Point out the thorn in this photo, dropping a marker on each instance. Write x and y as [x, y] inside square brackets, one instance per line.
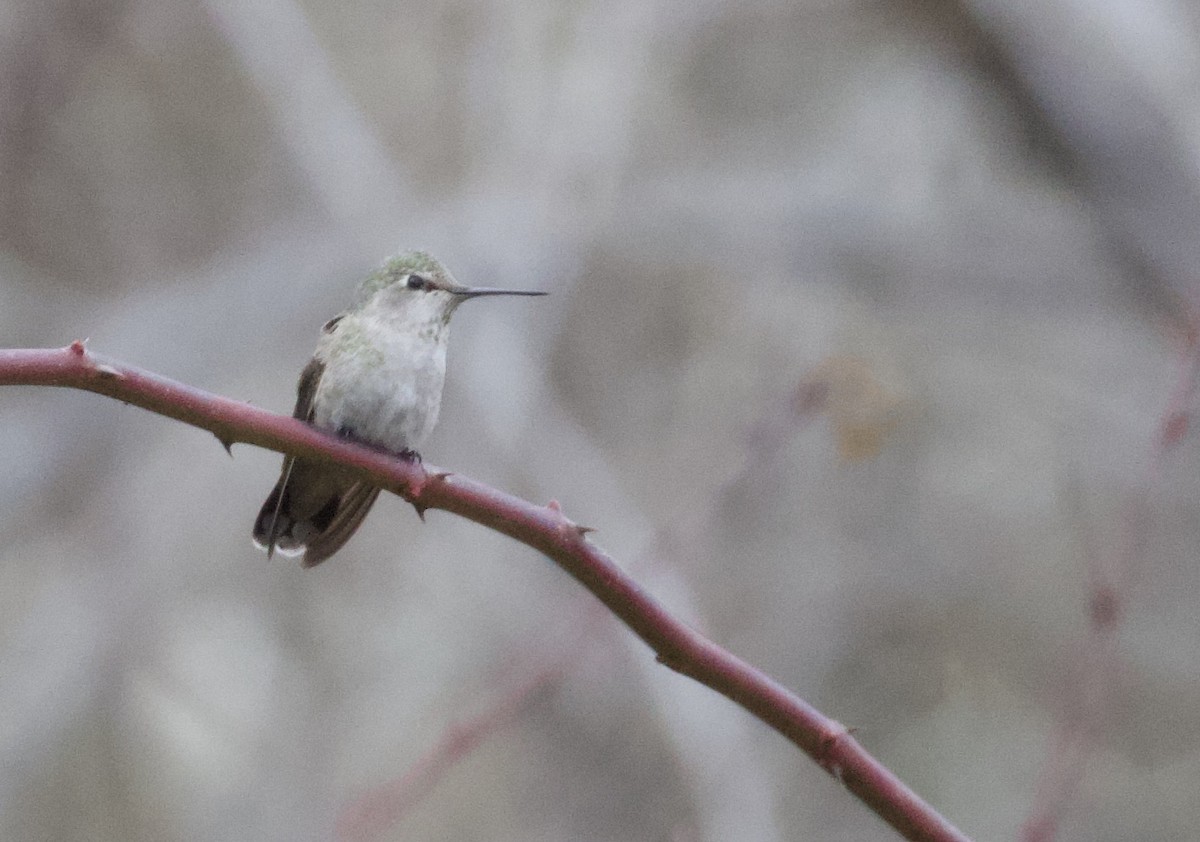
[228, 445]
[107, 371]
[568, 528]
[670, 660]
[78, 347]
[441, 476]
[412, 495]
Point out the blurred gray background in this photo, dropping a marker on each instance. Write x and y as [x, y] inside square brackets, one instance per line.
[970, 225]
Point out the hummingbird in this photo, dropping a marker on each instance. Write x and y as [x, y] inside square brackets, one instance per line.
[376, 378]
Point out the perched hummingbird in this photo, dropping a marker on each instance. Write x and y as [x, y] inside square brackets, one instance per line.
[376, 377]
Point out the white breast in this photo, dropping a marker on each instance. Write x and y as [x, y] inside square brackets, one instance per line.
[381, 383]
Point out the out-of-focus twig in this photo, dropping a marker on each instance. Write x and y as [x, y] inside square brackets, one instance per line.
[379, 809]
[1110, 581]
[544, 528]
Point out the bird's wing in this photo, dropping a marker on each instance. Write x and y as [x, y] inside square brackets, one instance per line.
[306, 389]
[266, 532]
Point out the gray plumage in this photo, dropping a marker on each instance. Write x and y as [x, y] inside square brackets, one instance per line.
[376, 376]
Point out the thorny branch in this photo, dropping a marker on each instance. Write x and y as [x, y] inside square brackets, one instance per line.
[544, 528]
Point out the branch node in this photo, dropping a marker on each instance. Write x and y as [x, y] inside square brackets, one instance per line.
[566, 526]
[832, 735]
[78, 347]
[413, 493]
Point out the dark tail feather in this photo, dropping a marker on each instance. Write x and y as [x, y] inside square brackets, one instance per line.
[266, 526]
[351, 508]
[311, 511]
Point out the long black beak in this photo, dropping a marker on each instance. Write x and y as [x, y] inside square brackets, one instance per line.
[476, 292]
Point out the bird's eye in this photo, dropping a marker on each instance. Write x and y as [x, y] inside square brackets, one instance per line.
[416, 282]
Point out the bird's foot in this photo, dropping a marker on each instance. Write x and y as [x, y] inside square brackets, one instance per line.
[407, 454]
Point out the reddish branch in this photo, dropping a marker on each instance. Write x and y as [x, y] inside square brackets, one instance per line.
[544, 528]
